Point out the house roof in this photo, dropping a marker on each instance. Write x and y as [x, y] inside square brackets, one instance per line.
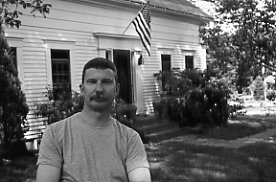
[175, 7]
[182, 7]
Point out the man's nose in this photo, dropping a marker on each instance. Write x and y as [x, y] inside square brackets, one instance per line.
[99, 87]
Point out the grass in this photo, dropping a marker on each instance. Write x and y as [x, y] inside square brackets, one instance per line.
[242, 126]
[176, 161]
[21, 169]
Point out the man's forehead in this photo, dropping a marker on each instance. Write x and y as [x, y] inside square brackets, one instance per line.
[99, 71]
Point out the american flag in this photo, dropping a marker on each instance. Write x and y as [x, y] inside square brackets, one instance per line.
[142, 26]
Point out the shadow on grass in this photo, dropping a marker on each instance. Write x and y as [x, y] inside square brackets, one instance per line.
[191, 163]
[21, 169]
[242, 126]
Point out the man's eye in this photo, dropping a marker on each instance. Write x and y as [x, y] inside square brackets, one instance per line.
[91, 81]
[107, 81]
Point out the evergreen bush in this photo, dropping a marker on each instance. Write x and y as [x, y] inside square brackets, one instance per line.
[13, 106]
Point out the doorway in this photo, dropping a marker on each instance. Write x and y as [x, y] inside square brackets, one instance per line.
[121, 59]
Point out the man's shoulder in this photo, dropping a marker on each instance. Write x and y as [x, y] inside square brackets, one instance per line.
[124, 129]
[60, 129]
[59, 125]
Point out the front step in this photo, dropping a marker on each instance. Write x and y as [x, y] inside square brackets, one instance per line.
[156, 129]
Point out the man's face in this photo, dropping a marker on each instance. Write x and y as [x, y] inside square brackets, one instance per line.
[99, 89]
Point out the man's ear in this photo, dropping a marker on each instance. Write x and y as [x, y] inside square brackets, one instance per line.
[81, 88]
[117, 89]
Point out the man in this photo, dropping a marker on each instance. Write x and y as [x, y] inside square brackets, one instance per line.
[91, 145]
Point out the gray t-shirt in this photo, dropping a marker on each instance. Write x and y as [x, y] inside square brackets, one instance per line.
[86, 152]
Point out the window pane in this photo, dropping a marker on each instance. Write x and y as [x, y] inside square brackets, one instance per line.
[166, 62]
[166, 68]
[12, 53]
[189, 62]
[60, 72]
[59, 54]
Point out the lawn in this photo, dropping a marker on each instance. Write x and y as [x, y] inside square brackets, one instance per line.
[22, 169]
[177, 161]
[241, 126]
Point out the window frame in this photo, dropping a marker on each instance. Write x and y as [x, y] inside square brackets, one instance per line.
[188, 53]
[192, 62]
[59, 62]
[59, 45]
[17, 43]
[169, 71]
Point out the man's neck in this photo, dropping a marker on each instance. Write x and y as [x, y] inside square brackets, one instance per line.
[96, 118]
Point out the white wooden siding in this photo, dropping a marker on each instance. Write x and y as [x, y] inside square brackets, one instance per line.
[76, 22]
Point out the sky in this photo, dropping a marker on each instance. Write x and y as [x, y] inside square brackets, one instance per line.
[207, 7]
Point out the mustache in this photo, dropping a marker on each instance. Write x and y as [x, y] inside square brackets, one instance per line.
[97, 96]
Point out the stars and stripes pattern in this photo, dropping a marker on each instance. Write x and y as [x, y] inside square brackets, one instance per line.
[142, 26]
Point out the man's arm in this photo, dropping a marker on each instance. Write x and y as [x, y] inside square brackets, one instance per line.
[46, 173]
[139, 175]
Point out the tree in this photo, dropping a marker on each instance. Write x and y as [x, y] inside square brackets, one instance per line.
[13, 106]
[242, 38]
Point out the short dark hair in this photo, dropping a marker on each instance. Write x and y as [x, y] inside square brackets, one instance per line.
[99, 63]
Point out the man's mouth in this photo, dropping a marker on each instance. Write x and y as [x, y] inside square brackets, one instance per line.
[97, 99]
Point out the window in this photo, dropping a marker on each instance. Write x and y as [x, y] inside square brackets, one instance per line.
[13, 54]
[166, 68]
[60, 72]
[189, 62]
[166, 62]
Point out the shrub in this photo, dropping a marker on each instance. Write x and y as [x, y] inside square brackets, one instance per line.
[205, 106]
[193, 98]
[258, 88]
[68, 103]
[13, 106]
[124, 112]
[161, 108]
[271, 95]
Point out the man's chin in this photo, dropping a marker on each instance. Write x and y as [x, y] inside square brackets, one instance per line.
[100, 107]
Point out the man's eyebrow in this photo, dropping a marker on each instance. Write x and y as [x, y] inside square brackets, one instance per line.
[108, 79]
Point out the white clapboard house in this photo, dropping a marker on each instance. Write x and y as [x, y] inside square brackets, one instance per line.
[56, 48]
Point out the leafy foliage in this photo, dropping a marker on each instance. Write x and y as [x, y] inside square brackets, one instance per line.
[68, 103]
[13, 106]
[242, 38]
[258, 88]
[12, 100]
[10, 13]
[271, 95]
[194, 98]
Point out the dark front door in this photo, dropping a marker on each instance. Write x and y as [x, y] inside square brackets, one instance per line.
[122, 61]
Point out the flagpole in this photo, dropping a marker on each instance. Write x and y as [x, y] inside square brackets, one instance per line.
[127, 27]
[135, 16]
